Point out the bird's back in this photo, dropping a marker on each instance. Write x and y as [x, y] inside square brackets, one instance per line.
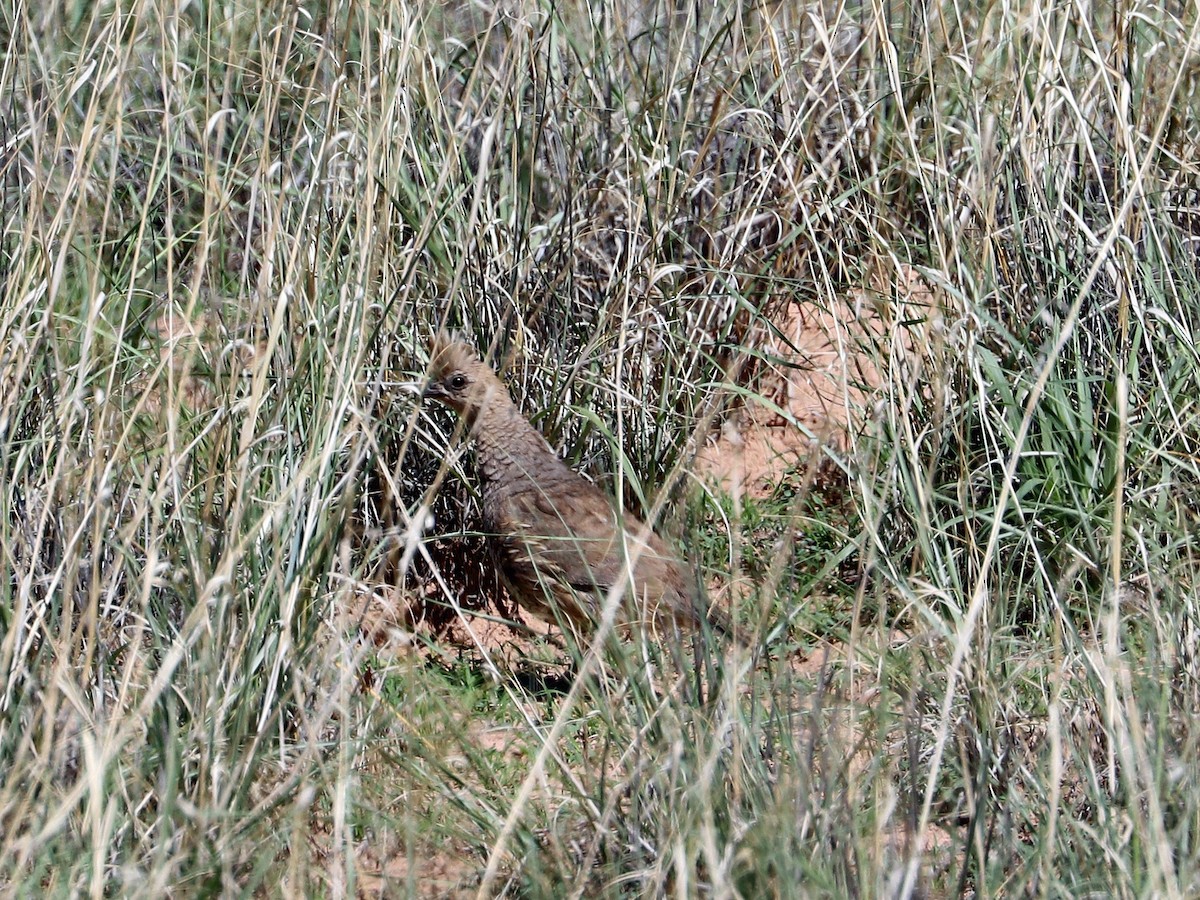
[556, 531]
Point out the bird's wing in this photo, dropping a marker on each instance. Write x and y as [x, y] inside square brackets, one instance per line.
[574, 531]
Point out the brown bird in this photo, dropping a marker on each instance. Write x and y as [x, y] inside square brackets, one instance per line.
[560, 547]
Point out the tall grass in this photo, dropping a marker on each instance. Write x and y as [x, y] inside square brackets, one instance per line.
[229, 230]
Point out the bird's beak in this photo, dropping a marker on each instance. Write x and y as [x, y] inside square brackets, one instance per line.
[434, 391]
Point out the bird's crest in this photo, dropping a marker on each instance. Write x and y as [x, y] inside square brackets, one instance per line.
[449, 352]
[459, 379]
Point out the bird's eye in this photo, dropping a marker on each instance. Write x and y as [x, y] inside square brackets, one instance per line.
[458, 382]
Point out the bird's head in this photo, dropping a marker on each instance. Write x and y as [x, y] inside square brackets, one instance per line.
[458, 378]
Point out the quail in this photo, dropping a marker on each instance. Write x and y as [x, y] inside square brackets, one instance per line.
[560, 547]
